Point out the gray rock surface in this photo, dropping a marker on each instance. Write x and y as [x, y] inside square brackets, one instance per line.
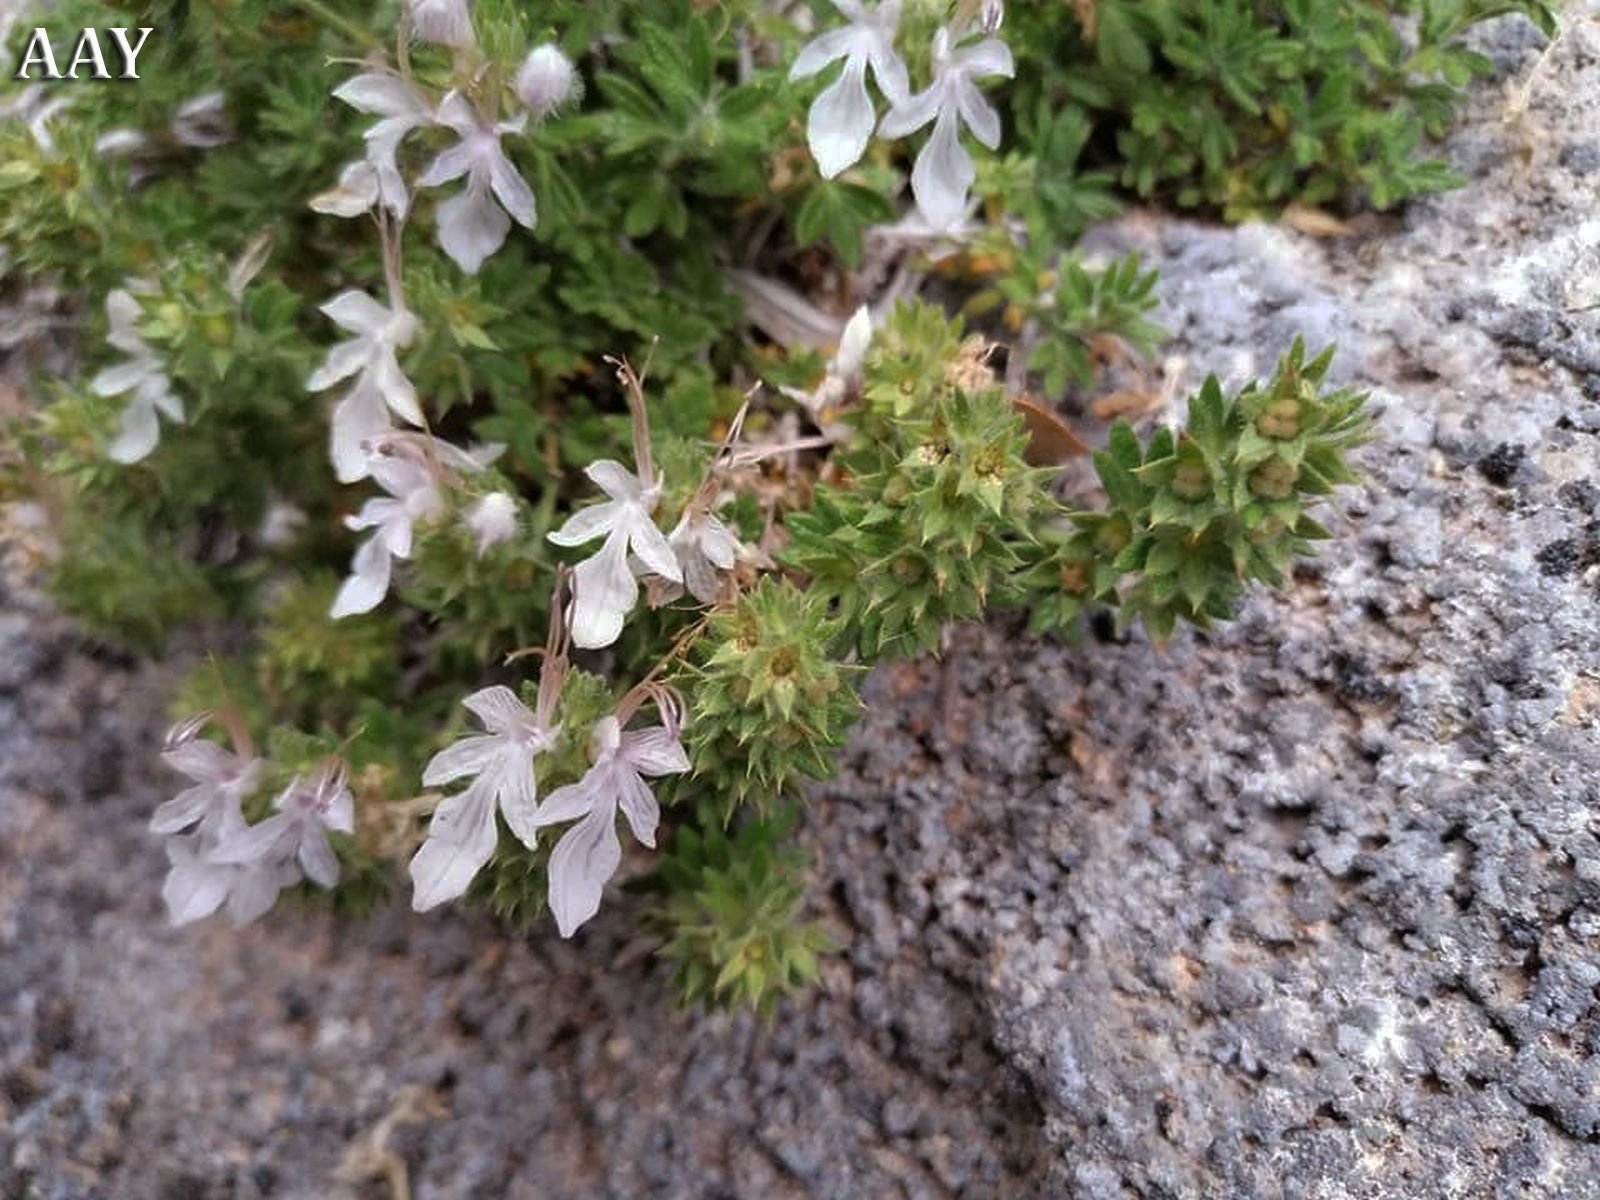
[1309, 907]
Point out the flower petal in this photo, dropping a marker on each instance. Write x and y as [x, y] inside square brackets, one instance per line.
[913, 114]
[183, 810]
[512, 190]
[587, 524]
[317, 859]
[718, 544]
[138, 434]
[451, 163]
[384, 95]
[979, 114]
[456, 112]
[822, 50]
[357, 418]
[201, 760]
[499, 709]
[614, 479]
[256, 843]
[368, 583]
[654, 751]
[574, 800]
[841, 120]
[603, 593]
[585, 858]
[193, 888]
[943, 175]
[472, 755]
[395, 388]
[989, 57]
[652, 548]
[358, 312]
[460, 841]
[889, 69]
[639, 805]
[255, 890]
[343, 361]
[472, 227]
[121, 377]
[518, 792]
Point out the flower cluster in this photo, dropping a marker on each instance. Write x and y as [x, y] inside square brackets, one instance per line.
[842, 116]
[471, 226]
[500, 765]
[218, 859]
[141, 377]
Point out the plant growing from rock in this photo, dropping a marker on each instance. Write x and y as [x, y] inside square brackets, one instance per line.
[544, 391]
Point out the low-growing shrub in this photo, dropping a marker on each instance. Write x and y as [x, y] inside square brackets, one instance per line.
[555, 397]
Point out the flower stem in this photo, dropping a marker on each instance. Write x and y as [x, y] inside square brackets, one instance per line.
[363, 37]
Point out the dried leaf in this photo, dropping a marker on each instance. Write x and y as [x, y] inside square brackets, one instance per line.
[1315, 222]
[1050, 439]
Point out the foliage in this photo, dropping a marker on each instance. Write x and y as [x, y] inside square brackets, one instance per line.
[1244, 106]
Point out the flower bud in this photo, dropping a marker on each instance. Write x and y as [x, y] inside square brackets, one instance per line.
[546, 81]
[442, 22]
[493, 520]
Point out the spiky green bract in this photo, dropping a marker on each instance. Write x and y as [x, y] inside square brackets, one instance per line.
[768, 698]
[929, 528]
[1069, 568]
[1204, 512]
[732, 914]
[514, 884]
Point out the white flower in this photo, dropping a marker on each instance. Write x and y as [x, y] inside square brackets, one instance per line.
[355, 193]
[604, 590]
[380, 384]
[140, 373]
[471, 225]
[589, 852]
[843, 375]
[442, 22]
[297, 832]
[493, 520]
[281, 524]
[841, 118]
[30, 106]
[546, 81]
[203, 121]
[706, 549]
[222, 780]
[413, 496]
[462, 835]
[853, 345]
[196, 886]
[402, 109]
[117, 142]
[944, 173]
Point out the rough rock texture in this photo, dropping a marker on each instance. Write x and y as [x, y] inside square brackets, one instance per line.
[1307, 908]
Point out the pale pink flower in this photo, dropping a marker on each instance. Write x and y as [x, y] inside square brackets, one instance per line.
[604, 587]
[943, 173]
[462, 835]
[473, 223]
[590, 852]
[842, 116]
[142, 374]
